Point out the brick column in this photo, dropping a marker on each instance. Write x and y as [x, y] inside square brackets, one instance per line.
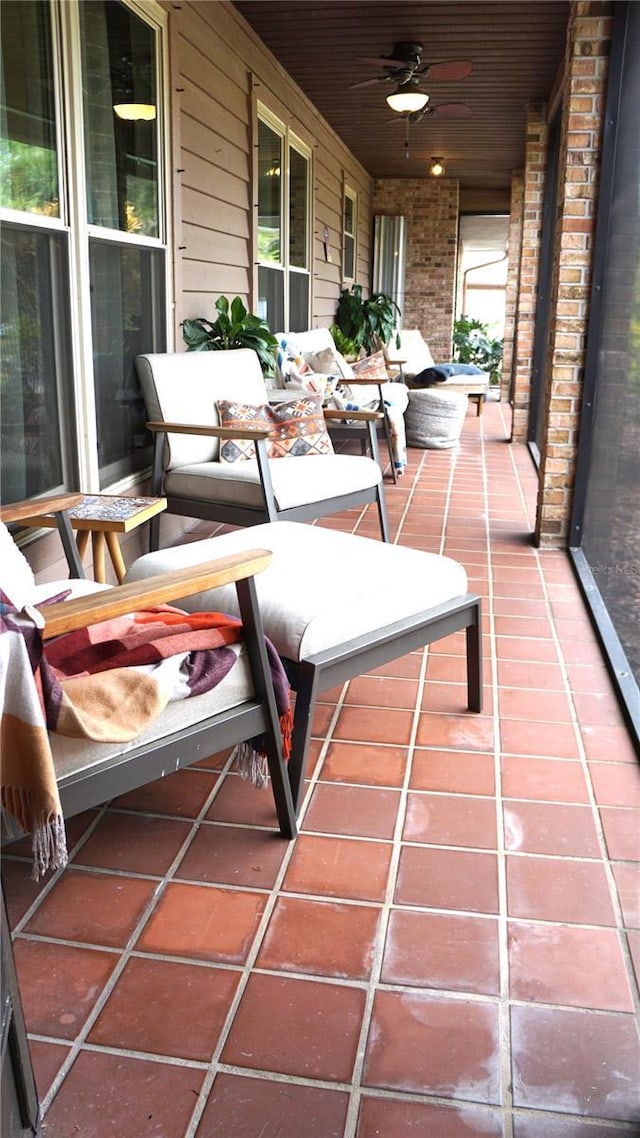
[431, 209]
[584, 95]
[513, 281]
[533, 191]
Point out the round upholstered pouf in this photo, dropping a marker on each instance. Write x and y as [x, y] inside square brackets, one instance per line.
[434, 418]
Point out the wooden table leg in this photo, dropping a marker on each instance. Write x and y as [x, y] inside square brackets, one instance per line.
[113, 545]
[98, 547]
[82, 541]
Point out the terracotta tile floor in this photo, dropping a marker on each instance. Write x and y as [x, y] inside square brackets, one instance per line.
[449, 947]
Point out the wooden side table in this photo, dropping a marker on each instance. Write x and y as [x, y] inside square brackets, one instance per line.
[103, 517]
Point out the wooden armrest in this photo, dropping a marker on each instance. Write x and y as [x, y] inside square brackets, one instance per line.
[65, 616]
[33, 507]
[357, 416]
[365, 381]
[210, 429]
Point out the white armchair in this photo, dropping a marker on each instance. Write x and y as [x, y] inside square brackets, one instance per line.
[183, 390]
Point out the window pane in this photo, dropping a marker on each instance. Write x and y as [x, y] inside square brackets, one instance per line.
[269, 195]
[127, 303]
[348, 214]
[349, 257]
[298, 209]
[271, 298]
[298, 302]
[119, 71]
[28, 162]
[34, 338]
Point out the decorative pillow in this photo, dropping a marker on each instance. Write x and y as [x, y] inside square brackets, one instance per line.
[239, 415]
[292, 370]
[440, 373]
[296, 428]
[371, 367]
[329, 361]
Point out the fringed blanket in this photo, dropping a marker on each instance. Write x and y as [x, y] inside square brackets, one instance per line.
[107, 683]
[29, 788]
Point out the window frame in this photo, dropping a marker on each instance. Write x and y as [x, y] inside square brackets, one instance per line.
[80, 461]
[289, 141]
[349, 194]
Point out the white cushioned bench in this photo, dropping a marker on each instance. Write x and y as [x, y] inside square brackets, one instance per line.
[336, 605]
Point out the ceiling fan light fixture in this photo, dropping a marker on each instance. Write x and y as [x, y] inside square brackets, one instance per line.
[436, 167]
[405, 102]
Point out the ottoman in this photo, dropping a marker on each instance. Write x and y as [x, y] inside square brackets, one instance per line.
[336, 605]
[434, 417]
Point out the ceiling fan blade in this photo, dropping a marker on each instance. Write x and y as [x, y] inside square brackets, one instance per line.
[367, 83]
[452, 70]
[451, 111]
[383, 61]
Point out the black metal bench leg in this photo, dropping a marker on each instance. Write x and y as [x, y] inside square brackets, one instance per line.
[307, 681]
[257, 652]
[474, 660]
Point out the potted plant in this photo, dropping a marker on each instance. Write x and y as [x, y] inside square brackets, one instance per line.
[472, 344]
[366, 323]
[234, 327]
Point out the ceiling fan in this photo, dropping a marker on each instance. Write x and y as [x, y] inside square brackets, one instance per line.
[405, 65]
[435, 110]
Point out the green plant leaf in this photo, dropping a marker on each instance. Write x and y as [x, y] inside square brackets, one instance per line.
[234, 327]
[238, 311]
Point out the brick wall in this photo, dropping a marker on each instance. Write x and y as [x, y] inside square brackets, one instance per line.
[516, 212]
[431, 209]
[580, 151]
[533, 198]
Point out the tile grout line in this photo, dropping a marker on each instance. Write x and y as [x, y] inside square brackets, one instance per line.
[506, 1064]
[126, 951]
[355, 1096]
[247, 969]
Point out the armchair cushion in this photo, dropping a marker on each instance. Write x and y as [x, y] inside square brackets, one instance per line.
[297, 428]
[413, 354]
[174, 381]
[294, 484]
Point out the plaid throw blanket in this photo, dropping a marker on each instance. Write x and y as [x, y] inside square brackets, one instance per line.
[107, 683]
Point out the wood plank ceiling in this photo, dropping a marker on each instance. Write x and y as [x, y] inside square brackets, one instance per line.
[515, 48]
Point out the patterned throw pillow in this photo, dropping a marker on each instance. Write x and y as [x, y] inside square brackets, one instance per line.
[296, 428]
[239, 415]
[371, 367]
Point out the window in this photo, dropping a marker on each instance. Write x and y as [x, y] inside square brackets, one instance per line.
[284, 180]
[605, 536]
[349, 227]
[83, 245]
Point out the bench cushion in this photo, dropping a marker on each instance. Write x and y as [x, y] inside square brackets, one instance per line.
[323, 587]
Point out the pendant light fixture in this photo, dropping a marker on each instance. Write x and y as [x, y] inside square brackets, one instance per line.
[436, 169]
